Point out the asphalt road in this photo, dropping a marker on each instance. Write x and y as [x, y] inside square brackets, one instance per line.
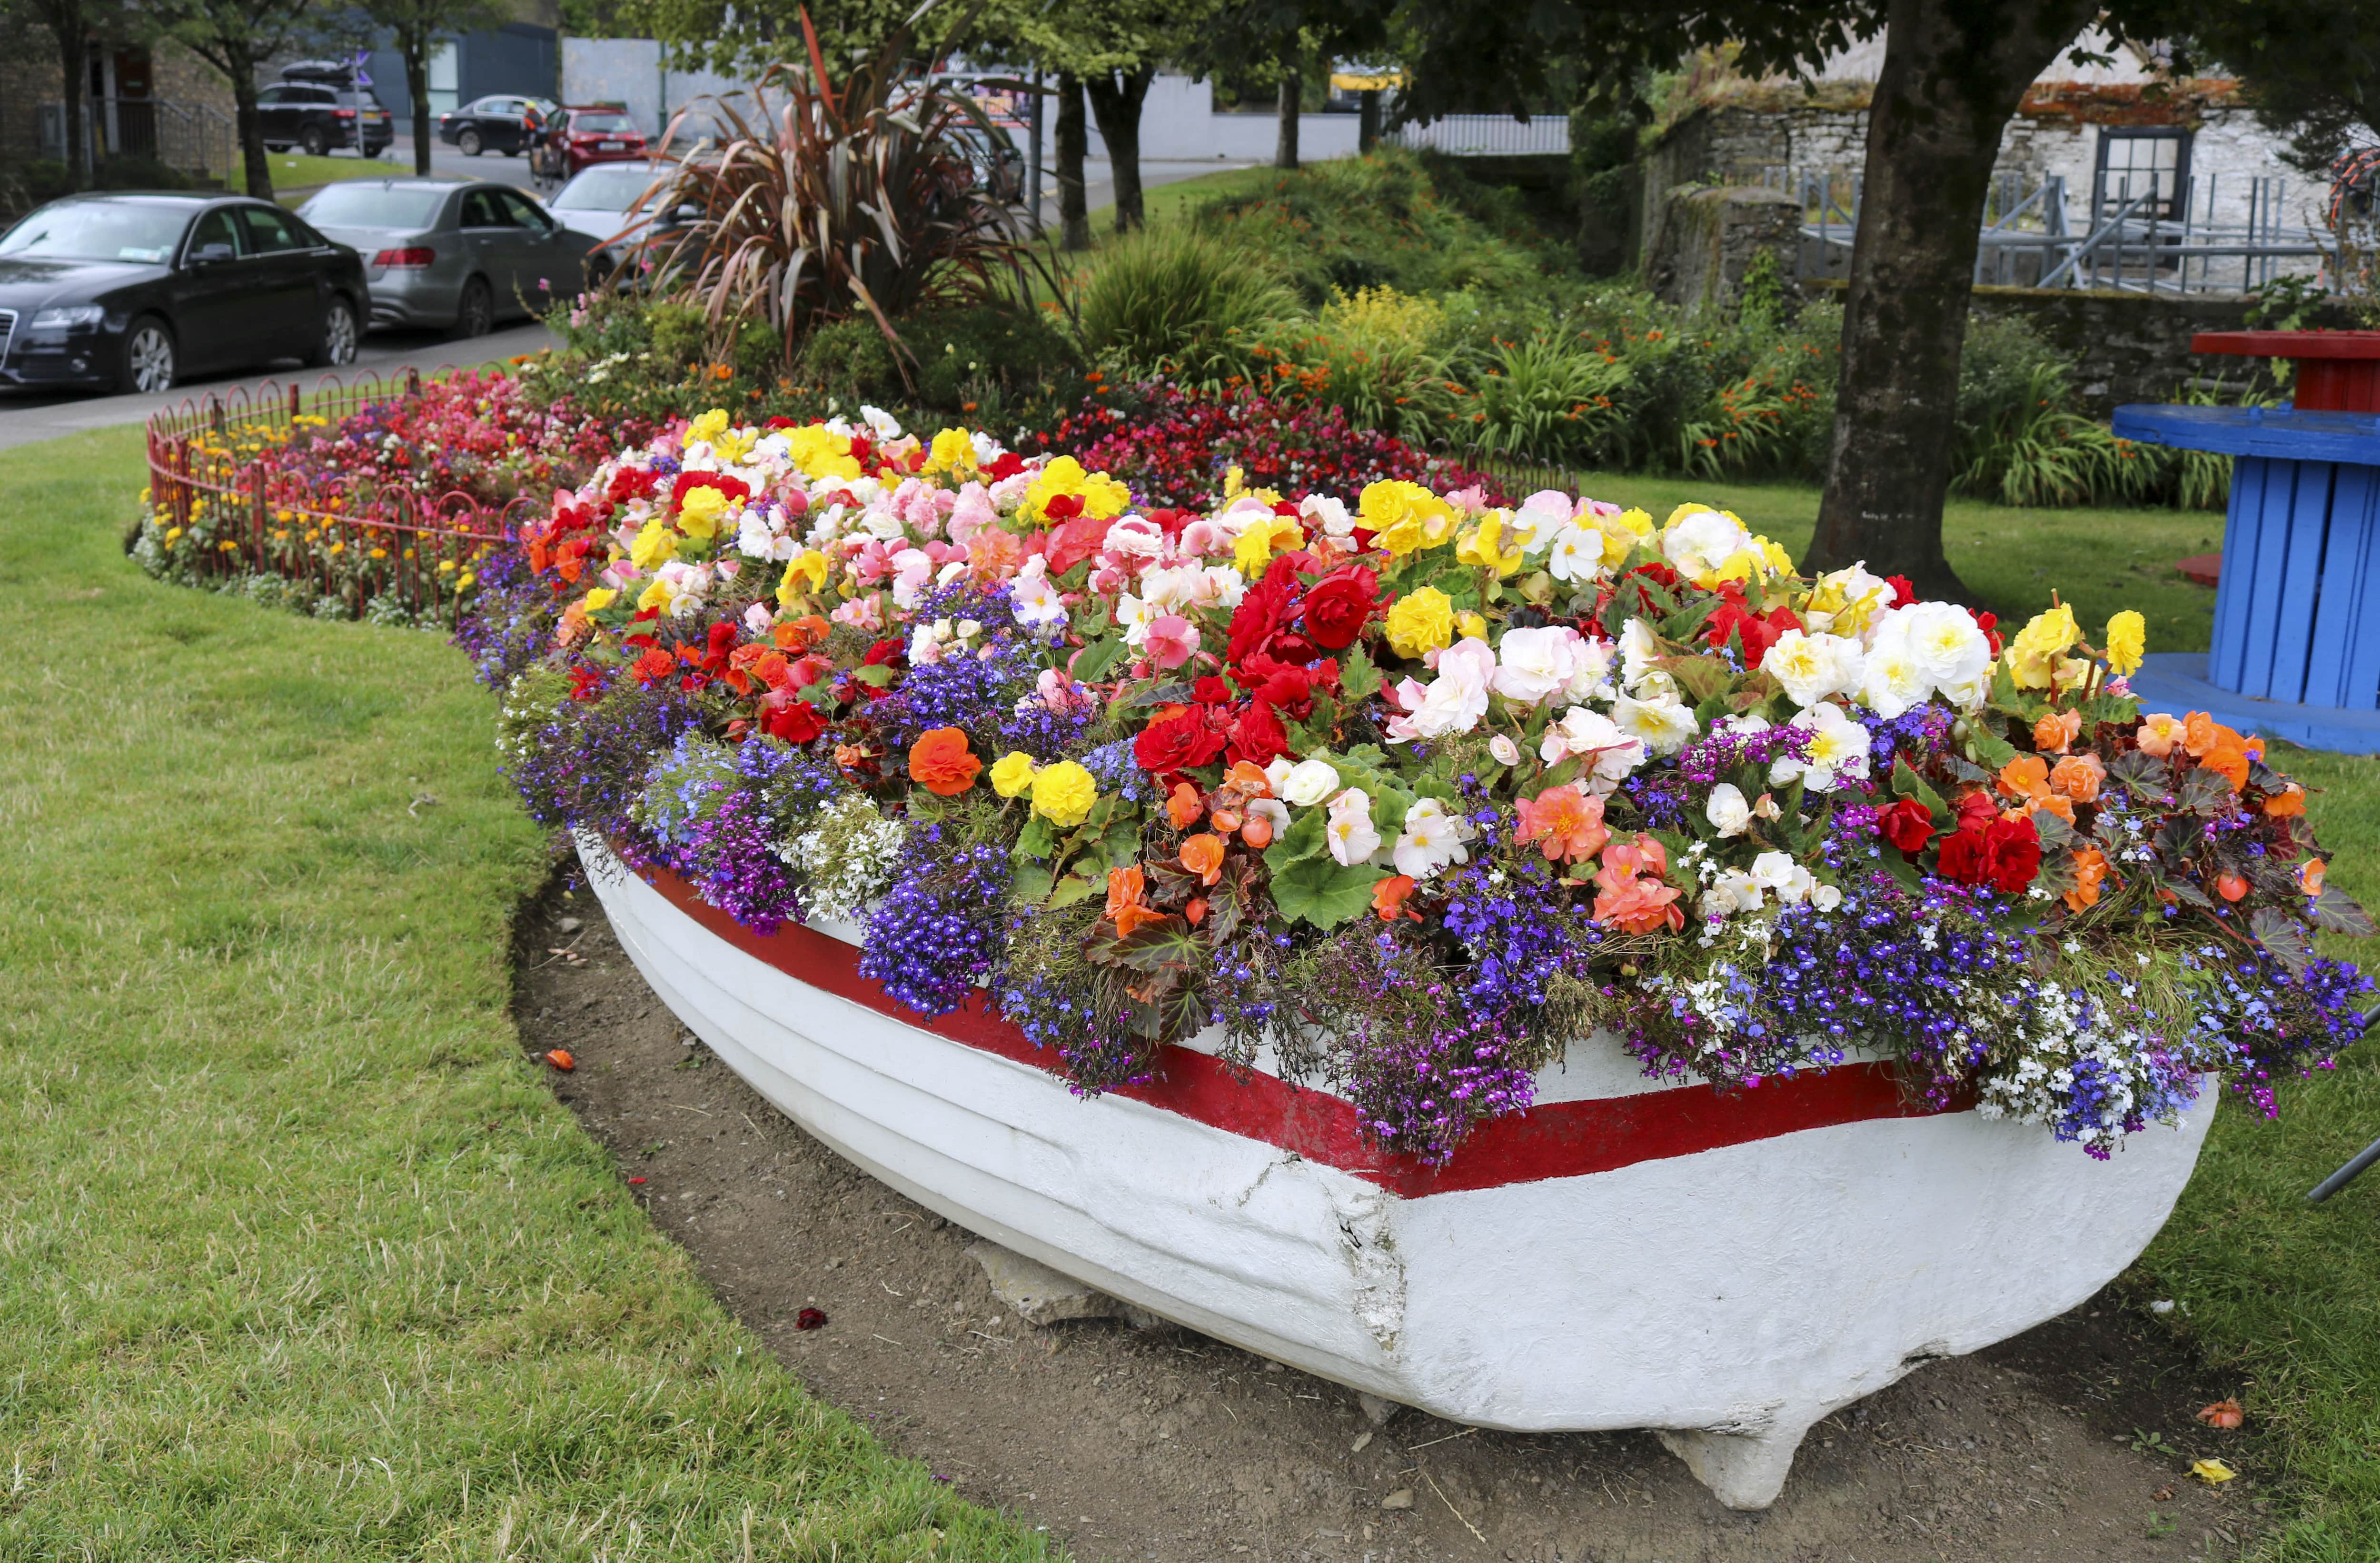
[28, 416]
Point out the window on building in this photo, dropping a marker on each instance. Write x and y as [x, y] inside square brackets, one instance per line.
[2142, 160]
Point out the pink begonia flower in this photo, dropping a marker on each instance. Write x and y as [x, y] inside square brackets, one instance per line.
[860, 612]
[994, 554]
[1206, 536]
[971, 512]
[1172, 640]
[1472, 498]
[1107, 581]
[871, 562]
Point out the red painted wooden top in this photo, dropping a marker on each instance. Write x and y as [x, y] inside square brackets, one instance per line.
[2337, 371]
[1551, 1140]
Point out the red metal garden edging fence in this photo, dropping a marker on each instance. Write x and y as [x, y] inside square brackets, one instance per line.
[357, 537]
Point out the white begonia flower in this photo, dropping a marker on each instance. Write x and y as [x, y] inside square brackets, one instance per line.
[1811, 667]
[1350, 832]
[1574, 554]
[1534, 664]
[1306, 783]
[1777, 874]
[1894, 681]
[1595, 739]
[1134, 616]
[1638, 650]
[1728, 810]
[1328, 513]
[1539, 520]
[1035, 596]
[1954, 653]
[1699, 544]
[1221, 586]
[1274, 811]
[986, 449]
[1136, 537]
[1839, 748]
[1663, 723]
[1504, 749]
[882, 424]
[1454, 700]
[1431, 840]
[1590, 675]
[1731, 892]
[1277, 771]
[1825, 897]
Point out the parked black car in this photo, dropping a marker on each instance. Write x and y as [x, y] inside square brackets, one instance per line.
[505, 123]
[316, 107]
[135, 292]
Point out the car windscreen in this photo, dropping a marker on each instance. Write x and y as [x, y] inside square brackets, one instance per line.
[373, 206]
[602, 125]
[100, 230]
[604, 189]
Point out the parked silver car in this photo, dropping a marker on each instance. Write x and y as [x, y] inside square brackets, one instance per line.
[462, 255]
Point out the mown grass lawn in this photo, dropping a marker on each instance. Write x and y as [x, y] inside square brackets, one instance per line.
[299, 1259]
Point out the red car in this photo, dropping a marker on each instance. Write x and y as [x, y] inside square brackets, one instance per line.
[588, 136]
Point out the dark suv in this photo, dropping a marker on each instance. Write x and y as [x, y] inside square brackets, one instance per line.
[318, 106]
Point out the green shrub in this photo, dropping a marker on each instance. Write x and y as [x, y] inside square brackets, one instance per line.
[1548, 400]
[1176, 300]
[1376, 353]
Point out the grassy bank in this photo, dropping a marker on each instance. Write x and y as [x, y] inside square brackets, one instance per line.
[297, 1258]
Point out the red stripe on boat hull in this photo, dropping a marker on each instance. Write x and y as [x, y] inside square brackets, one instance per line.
[1551, 1140]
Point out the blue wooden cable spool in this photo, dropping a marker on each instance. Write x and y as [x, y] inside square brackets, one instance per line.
[2297, 607]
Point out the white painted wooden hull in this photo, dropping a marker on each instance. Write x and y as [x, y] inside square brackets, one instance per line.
[1727, 1297]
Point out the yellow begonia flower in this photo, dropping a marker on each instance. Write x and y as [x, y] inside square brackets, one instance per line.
[1471, 625]
[735, 445]
[952, 450]
[1404, 516]
[600, 598]
[699, 513]
[655, 547]
[1063, 793]
[2034, 655]
[1420, 622]
[1103, 498]
[2128, 639]
[656, 595]
[806, 573]
[819, 452]
[1621, 533]
[1012, 773]
[709, 427]
[1490, 545]
[1263, 539]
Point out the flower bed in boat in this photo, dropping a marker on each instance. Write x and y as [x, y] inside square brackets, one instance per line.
[1408, 788]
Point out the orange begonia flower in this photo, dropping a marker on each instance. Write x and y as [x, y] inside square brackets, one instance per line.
[2158, 734]
[2287, 805]
[2055, 804]
[1388, 897]
[1257, 831]
[1247, 780]
[2231, 886]
[2229, 762]
[1570, 822]
[1203, 855]
[1126, 887]
[2078, 777]
[2202, 733]
[1184, 808]
[2090, 870]
[2027, 776]
[2310, 876]
[941, 763]
[2054, 734]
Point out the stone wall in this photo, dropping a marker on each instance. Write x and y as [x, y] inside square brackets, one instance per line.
[1705, 237]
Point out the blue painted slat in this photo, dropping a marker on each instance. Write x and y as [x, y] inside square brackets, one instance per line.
[2277, 515]
[2356, 508]
[2235, 588]
[2283, 433]
[2338, 609]
[2301, 583]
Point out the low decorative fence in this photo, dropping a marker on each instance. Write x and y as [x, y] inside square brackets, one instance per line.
[221, 506]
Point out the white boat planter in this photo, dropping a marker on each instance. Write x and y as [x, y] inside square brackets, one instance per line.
[1725, 1269]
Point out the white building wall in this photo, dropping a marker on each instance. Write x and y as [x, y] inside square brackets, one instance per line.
[636, 72]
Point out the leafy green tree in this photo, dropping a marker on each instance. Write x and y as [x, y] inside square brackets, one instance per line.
[2312, 68]
[76, 28]
[236, 37]
[416, 28]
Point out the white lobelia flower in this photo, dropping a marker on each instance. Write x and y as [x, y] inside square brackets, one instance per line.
[1574, 554]
[1350, 832]
[1838, 751]
[1306, 783]
[1699, 544]
[1729, 812]
[1596, 741]
[1944, 639]
[1431, 840]
[1504, 749]
[1035, 596]
[1811, 667]
[1662, 724]
[1534, 664]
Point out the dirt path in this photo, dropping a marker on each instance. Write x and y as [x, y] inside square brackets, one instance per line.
[1166, 1446]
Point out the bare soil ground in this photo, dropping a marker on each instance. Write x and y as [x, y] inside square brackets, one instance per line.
[1133, 1445]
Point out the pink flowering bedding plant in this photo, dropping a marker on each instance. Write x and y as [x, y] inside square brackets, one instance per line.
[1408, 788]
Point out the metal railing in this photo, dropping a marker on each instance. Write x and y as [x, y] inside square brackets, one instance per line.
[1488, 135]
[2144, 242]
[355, 539]
[189, 137]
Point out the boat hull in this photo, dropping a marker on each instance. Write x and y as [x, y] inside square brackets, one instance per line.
[1725, 1269]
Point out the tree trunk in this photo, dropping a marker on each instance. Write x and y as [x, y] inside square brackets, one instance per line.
[74, 70]
[250, 125]
[1953, 75]
[1072, 136]
[1116, 97]
[415, 43]
[1289, 104]
[1367, 121]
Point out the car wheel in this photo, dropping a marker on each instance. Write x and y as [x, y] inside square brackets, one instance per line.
[337, 348]
[314, 141]
[149, 358]
[477, 314]
[469, 144]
